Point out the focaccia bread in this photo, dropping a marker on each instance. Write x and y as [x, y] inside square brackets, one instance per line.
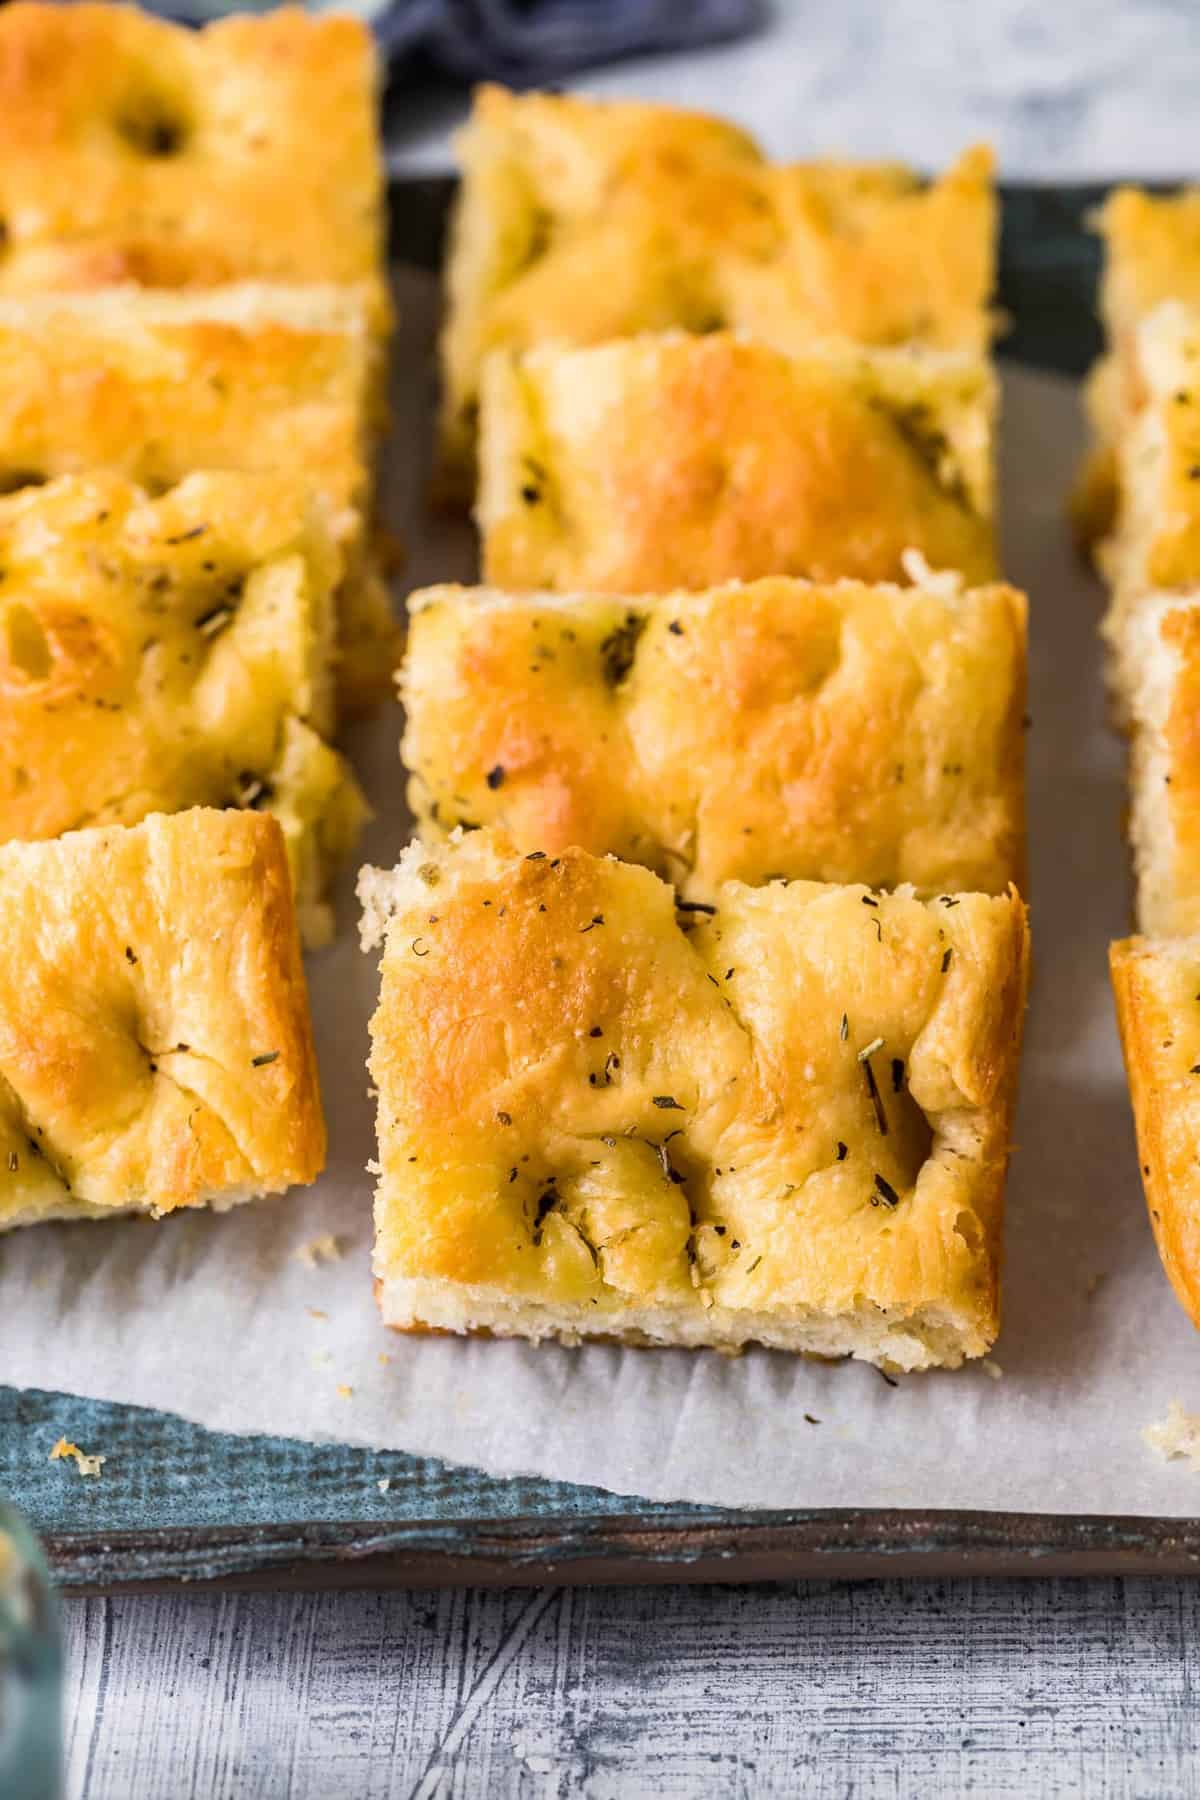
[1155, 982]
[162, 654]
[1162, 662]
[135, 150]
[839, 733]
[677, 461]
[1154, 545]
[785, 1121]
[155, 1046]
[254, 378]
[581, 220]
[1151, 256]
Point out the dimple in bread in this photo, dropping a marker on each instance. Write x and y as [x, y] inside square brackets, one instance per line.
[155, 1046]
[1155, 983]
[162, 654]
[250, 378]
[677, 461]
[836, 733]
[582, 220]
[785, 1121]
[136, 150]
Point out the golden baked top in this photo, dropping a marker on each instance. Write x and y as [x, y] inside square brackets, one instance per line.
[582, 220]
[252, 377]
[838, 733]
[159, 385]
[161, 654]
[155, 1048]
[136, 150]
[676, 461]
[1155, 982]
[797, 1104]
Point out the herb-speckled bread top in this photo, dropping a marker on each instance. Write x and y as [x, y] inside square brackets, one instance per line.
[783, 1120]
[155, 1046]
[835, 733]
[682, 461]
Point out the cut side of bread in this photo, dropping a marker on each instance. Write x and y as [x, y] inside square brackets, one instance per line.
[833, 732]
[1155, 984]
[1161, 665]
[155, 1044]
[781, 1119]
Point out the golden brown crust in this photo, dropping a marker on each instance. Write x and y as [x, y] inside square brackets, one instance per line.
[840, 733]
[585, 1104]
[680, 461]
[162, 654]
[583, 220]
[135, 150]
[1181, 633]
[1151, 254]
[155, 1046]
[158, 386]
[1155, 984]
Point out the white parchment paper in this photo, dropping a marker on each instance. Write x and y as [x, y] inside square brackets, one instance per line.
[217, 1319]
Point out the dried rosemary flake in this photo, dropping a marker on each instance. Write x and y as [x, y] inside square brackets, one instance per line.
[874, 1045]
[260, 1062]
[495, 776]
[667, 1102]
[874, 1097]
[886, 1193]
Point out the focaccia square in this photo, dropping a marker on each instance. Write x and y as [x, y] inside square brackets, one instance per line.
[783, 1121]
[1154, 545]
[1162, 661]
[136, 150]
[581, 220]
[155, 1046]
[1151, 256]
[253, 378]
[677, 461]
[835, 733]
[158, 654]
[1155, 982]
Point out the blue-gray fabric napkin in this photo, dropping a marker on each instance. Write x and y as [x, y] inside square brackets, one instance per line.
[521, 42]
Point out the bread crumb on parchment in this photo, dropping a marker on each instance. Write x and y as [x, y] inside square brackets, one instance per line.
[64, 1451]
[1177, 1437]
[318, 1250]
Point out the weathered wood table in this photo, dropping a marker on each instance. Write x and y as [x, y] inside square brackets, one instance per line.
[883, 1689]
